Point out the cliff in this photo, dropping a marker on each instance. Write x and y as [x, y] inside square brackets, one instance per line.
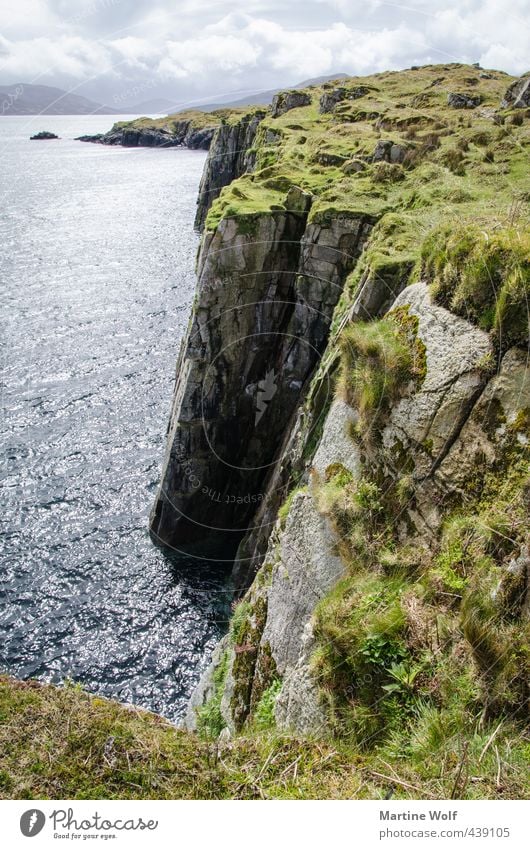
[351, 414]
[191, 129]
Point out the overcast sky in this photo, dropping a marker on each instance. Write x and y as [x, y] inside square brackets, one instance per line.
[124, 51]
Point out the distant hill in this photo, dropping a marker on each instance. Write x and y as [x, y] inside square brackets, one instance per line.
[156, 106]
[29, 99]
[266, 96]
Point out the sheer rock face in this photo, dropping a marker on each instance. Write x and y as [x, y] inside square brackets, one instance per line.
[267, 289]
[329, 250]
[230, 157]
[454, 420]
[218, 450]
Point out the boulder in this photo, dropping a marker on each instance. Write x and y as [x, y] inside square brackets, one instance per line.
[388, 151]
[323, 157]
[284, 101]
[518, 94]
[463, 100]
[353, 166]
[329, 99]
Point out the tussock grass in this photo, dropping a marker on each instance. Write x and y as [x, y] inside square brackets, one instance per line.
[483, 276]
[60, 742]
[378, 360]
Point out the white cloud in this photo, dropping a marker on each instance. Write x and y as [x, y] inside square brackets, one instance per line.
[258, 43]
[71, 56]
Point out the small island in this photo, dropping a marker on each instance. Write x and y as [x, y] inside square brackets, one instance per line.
[44, 134]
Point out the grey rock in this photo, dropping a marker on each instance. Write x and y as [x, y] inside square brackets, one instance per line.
[306, 570]
[425, 423]
[517, 95]
[272, 136]
[297, 200]
[463, 100]
[490, 426]
[329, 99]
[284, 101]
[299, 705]
[388, 151]
[353, 166]
[323, 157]
[336, 445]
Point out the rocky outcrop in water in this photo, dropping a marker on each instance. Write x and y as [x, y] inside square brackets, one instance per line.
[182, 134]
[43, 135]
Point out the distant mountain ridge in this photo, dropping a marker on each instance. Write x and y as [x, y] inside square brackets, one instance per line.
[266, 96]
[30, 99]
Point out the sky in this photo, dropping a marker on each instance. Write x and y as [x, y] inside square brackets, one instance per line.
[121, 52]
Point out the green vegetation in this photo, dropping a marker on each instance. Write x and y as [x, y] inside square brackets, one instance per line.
[210, 721]
[378, 360]
[283, 512]
[264, 713]
[483, 276]
[199, 120]
[423, 650]
[61, 743]
[456, 166]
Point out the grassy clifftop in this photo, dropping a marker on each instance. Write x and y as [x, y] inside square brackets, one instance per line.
[447, 162]
[199, 120]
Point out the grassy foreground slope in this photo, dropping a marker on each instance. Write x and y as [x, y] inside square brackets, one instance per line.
[60, 742]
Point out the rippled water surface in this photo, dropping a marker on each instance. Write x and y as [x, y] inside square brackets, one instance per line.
[96, 267]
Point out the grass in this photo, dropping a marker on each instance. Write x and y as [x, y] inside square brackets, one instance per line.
[199, 120]
[460, 167]
[62, 743]
[483, 275]
[378, 360]
[418, 649]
